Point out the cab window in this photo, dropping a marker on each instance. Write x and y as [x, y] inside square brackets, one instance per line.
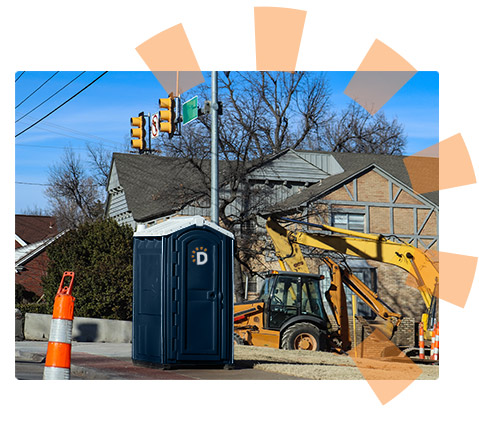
[264, 292]
[311, 299]
[284, 301]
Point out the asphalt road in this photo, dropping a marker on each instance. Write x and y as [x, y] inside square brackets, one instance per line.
[33, 370]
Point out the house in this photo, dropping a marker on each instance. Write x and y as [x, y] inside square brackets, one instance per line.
[145, 189]
[373, 194]
[363, 192]
[33, 234]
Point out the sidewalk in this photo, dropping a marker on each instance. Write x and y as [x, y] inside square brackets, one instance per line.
[112, 361]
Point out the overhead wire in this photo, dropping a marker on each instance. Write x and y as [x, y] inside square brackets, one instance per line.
[36, 90]
[104, 141]
[61, 105]
[31, 183]
[50, 97]
[50, 146]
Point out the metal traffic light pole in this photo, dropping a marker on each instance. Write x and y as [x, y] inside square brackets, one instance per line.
[214, 148]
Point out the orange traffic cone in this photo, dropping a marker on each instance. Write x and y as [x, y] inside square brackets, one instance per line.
[433, 343]
[57, 363]
[436, 346]
[421, 341]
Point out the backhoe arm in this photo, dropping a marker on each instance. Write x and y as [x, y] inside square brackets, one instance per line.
[352, 243]
[290, 255]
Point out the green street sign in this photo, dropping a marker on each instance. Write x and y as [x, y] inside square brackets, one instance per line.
[190, 110]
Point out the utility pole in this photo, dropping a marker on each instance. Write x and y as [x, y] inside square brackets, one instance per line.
[214, 148]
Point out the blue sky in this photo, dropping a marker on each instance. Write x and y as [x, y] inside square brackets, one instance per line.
[100, 115]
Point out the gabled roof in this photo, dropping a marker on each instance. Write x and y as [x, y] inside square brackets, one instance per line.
[353, 164]
[156, 186]
[28, 252]
[32, 228]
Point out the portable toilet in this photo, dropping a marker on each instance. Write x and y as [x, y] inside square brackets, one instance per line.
[183, 293]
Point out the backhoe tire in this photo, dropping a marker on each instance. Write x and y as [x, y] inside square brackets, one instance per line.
[304, 336]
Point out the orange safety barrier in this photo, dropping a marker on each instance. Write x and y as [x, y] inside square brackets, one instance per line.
[57, 363]
[433, 343]
[421, 341]
[436, 345]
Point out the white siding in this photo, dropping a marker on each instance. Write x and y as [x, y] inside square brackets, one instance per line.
[290, 167]
[324, 161]
[113, 182]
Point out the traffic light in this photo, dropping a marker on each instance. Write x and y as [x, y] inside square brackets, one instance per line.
[139, 133]
[167, 117]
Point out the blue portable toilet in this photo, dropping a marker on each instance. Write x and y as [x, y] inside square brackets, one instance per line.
[183, 293]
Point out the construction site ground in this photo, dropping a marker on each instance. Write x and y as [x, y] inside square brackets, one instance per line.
[324, 365]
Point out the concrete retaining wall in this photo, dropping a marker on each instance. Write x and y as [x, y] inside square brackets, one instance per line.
[18, 325]
[37, 327]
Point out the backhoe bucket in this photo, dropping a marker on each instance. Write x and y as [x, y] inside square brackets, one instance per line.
[386, 327]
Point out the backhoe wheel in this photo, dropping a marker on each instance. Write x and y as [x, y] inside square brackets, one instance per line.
[304, 336]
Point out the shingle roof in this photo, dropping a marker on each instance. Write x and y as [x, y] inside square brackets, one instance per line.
[33, 228]
[352, 163]
[156, 185]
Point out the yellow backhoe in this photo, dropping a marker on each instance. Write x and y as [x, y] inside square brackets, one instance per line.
[289, 312]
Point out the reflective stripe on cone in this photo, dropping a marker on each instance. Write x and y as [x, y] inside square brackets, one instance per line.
[61, 331]
[55, 373]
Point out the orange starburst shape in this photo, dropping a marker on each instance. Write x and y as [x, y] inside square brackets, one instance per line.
[384, 366]
[382, 73]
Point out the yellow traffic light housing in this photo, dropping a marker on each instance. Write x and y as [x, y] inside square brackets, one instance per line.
[138, 134]
[167, 117]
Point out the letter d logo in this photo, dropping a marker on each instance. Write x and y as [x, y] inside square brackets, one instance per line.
[201, 258]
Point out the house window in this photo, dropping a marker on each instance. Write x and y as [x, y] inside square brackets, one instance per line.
[349, 221]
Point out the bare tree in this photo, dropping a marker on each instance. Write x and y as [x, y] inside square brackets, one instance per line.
[263, 114]
[100, 161]
[72, 194]
[356, 130]
[34, 211]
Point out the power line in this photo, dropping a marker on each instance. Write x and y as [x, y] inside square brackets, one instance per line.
[61, 105]
[68, 129]
[51, 96]
[38, 88]
[49, 146]
[106, 142]
[58, 147]
[31, 183]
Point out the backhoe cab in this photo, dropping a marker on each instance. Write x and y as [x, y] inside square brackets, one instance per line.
[288, 313]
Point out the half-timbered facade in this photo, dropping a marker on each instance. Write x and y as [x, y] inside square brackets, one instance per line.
[374, 195]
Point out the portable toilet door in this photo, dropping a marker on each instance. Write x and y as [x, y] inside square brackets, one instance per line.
[201, 284]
